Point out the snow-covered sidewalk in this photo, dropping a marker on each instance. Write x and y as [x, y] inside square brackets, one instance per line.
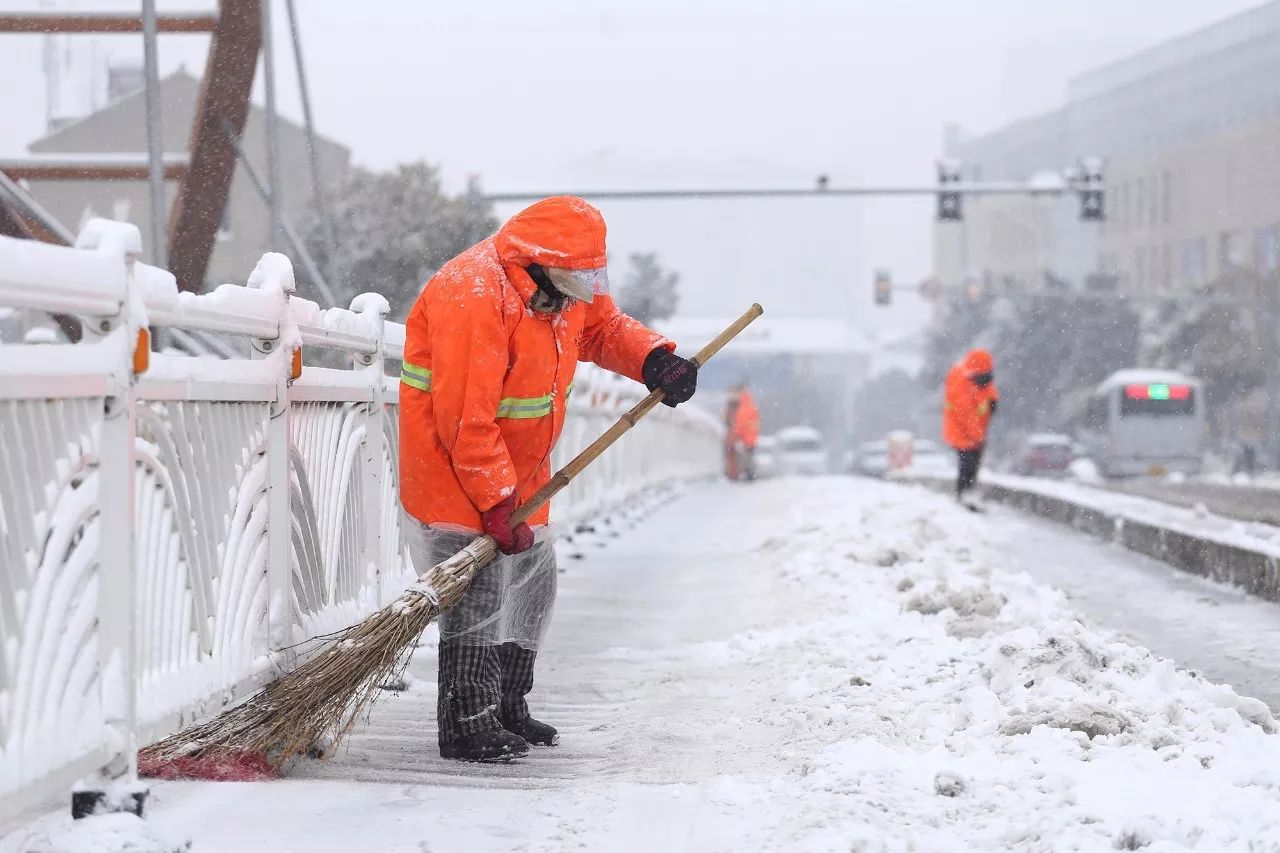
[825, 664]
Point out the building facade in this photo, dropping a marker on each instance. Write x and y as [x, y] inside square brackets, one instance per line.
[120, 128]
[1189, 130]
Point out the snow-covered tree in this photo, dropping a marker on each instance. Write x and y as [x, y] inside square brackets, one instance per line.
[394, 229]
[649, 293]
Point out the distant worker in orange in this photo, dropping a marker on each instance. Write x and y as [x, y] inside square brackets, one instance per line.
[742, 433]
[491, 346]
[970, 401]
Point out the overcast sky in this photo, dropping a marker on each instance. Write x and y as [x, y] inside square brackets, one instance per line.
[572, 94]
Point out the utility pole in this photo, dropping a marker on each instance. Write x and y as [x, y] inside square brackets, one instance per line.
[313, 156]
[1271, 347]
[273, 136]
[155, 135]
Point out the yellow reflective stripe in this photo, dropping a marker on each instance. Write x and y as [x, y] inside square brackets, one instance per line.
[525, 407]
[415, 383]
[415, 376]
[508, 407]
[568, 392]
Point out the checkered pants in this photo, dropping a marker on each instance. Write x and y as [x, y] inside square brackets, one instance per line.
[480, 686]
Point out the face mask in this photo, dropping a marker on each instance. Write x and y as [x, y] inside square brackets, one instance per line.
[547, 299]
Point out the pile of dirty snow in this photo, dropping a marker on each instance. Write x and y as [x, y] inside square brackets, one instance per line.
[951, 703]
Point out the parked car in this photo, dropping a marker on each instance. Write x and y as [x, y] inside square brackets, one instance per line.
[1044, 454]
[766, 457]
[928, 458]
[871, 459]
[801, 450]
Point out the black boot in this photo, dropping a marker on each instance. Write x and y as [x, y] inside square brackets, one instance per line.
[498, 745]
[533, 731]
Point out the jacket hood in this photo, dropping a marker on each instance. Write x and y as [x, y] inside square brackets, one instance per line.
[562, 231]
[979, 361]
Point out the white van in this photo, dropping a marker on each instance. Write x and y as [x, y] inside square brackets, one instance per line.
[800, 450]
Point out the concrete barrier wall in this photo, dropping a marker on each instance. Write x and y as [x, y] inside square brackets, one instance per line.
[1256, 572]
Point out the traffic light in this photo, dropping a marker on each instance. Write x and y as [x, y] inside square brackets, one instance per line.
[883, 287]
[949, 203]
[1093, 203]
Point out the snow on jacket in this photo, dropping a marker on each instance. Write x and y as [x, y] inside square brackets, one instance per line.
[966, 410]
[745, 425]
[485, 378]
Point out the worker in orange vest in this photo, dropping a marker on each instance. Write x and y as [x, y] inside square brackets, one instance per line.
[970, 401]
[742, 433]
[491, 346]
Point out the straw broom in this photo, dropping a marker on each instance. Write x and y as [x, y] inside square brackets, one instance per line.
[321, 700]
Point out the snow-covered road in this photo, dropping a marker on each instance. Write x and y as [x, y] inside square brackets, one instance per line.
[826, 664]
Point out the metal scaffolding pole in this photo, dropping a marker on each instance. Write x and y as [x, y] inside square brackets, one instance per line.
[274, 199]
[317, 183]
[296, 244]
[26, 205]
[155, 137]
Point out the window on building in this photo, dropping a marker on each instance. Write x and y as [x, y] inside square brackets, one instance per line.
[1194, 261]
[1122, 207]
[1139, 202]
[1231, 253]
[1166, 265]
[1140, 268]
[1166, 207]
[1266, 250]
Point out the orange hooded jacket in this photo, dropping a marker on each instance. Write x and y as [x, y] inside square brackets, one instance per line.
[966, 410]
[746, 420]
[485, 378]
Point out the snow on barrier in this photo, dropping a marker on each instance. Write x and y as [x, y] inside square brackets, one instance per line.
[1223, 550]
[170, 525]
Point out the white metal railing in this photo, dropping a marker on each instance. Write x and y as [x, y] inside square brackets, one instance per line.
[170, 525]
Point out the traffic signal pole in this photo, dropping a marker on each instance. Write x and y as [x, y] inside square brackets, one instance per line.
[975, 188]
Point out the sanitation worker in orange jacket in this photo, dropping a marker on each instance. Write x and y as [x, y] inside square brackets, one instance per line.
[742, 434]
[970, 401]
[490, 351]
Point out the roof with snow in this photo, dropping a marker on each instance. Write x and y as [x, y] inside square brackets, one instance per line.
[121, 126]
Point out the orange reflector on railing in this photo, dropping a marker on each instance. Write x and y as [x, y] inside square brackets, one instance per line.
[142, 351]
[296, 370]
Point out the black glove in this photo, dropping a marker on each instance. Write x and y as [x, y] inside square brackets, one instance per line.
[991, 406]
[676, 376]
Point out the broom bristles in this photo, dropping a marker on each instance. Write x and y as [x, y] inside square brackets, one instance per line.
[322, 699]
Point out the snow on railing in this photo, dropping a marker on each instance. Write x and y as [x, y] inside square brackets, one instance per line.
[170, 526]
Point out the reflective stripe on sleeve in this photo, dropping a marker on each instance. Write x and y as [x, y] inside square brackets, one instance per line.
[415, 377]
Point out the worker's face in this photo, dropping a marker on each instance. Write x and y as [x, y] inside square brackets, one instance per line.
[982, 380]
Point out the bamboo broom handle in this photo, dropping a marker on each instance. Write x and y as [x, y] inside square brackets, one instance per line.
[565, 475]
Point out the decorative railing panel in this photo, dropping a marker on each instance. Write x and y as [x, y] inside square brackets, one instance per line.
[172, 526]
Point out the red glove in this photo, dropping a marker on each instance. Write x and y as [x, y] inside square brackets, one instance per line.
[497, 523]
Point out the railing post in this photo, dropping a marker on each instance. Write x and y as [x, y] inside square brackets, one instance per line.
[375, 308]
[274, 272]
[115, 786]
